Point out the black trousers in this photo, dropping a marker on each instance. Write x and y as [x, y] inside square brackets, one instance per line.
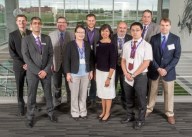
[140, 90]
[20, 80]
[120, 76]
[57, 83]
[33, 81]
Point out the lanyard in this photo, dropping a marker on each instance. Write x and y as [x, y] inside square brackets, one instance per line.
[134, 49]
[81, 51]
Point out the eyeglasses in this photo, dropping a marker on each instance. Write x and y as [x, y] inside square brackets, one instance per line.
[62, 22]
[36, 23]
[135, 30]
[80, 32]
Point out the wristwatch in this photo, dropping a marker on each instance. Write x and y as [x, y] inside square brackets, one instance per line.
[133, 76]
[109, 78]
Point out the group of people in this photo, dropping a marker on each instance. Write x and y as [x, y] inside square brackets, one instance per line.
[99, 57]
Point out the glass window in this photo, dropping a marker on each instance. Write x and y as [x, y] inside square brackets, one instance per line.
[3, 28]
[103, 10]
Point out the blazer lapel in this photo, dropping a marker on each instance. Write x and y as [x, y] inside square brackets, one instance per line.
[33, 42]
[167, 43]
[44, 45]
[159, 43]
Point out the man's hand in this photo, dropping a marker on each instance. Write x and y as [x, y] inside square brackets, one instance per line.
[42, 74]
[128, 77]
[162, 72]
[25, 66]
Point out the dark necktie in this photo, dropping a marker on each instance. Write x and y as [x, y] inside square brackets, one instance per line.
[143, 33]
[61, 39]
[38, 42]
[163, 43]
[133, 50]
[120, 43]
[23, 34]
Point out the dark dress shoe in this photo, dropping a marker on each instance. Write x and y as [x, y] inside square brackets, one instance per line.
[29, 123]
[84, 117]
[76, 118]
[127, 120]
[138, 125]
[53, 118]
[57, 107]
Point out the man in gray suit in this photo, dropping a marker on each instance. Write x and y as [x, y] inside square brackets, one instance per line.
[149, 28]
[37, 52]
[59, 38]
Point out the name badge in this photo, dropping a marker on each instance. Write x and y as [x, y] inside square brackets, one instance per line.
[91, 47]
[119, 51]
[130, 60]
[43, 43]
[171, 47]
[82, 61]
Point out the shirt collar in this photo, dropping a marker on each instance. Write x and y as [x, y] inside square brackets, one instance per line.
[139, 40]
[166, 35]
[88, 30]
[35, 36]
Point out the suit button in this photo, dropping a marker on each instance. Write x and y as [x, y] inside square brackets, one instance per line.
[161, 58]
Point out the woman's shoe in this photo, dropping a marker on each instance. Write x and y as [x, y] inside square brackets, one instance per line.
[105, 120]
[98, 117]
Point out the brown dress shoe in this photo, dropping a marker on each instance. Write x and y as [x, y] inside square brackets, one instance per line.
[147, 114]
[171, 120]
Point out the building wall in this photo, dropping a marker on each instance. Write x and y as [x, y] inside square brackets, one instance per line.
[179, 20]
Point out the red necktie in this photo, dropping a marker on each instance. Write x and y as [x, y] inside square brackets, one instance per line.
[133, 50]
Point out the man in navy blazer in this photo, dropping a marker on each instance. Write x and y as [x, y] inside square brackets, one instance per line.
[166, 54]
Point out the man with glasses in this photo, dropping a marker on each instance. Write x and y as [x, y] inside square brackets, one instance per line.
[136, 57]
[19, 66]
[59, 38]
[118, 40]
[92, 36]
[37, 52]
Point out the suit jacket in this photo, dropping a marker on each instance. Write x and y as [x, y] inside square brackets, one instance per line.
[57, 49]
[153, 29]
[15, 49]
[36, 61]
[115, 42]
[167, 59]
[95, 40]
[71, 61]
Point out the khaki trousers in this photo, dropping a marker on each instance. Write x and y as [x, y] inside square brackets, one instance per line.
[168, 88]
[78, 88]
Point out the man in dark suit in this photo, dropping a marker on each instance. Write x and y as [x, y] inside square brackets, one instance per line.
[59, 38]
[92, 36]
[37, 52]
[118, 40]
[19, 65]
[166, 52]
[149, 28]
